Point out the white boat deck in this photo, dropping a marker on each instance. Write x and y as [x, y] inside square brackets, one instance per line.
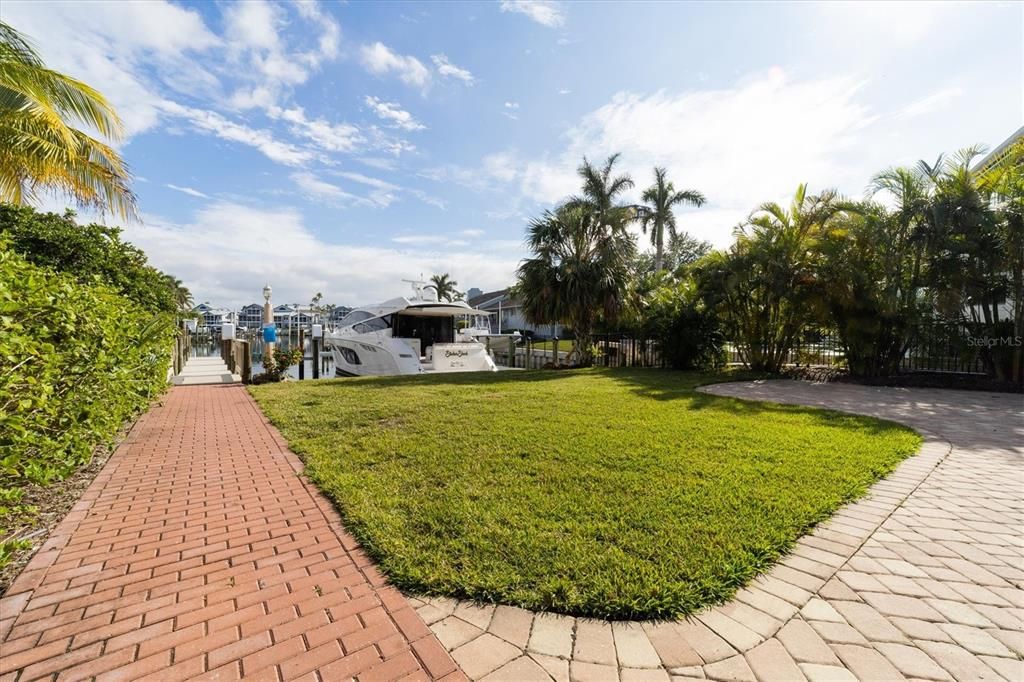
[204, 371]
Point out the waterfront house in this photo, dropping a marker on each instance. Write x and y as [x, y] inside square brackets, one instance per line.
[214, 318]
[251, 316]
[507, 315]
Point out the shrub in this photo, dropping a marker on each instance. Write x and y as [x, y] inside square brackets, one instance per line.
[76, 361]
[87, 252]
[686, 330]
[276, 366]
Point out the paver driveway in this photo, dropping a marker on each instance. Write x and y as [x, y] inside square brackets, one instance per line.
[920, 579]
[198, 553]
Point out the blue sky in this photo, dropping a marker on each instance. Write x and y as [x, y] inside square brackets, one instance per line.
[340, 147]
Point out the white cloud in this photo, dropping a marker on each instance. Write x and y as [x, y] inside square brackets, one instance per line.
[226, 251]
[930, 104]
[377, 162]
[314, 188]
[383, 194]
[511, 105]
[564, 91]
[472, 233]
[740, 146]
[367, 180]
[892, 23]
[380, 60]
[493, 174]
[256, 45]
[544, 12]
[105, 44]
[393, 113]
[212, 123]
[424, 239]
[332, 137]
[330, 39]
[253, 24]
[188, 190]
[501, 166]
[447, 69]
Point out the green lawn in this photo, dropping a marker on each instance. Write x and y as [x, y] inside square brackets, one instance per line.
[612, 493]
[564, 345]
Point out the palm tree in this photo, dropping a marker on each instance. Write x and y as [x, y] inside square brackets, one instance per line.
[579, 271]
[601, 193]
[765, 283]
[444, 288]
[40, 149]
[660, 198]
[1004, 182]
[182, 296]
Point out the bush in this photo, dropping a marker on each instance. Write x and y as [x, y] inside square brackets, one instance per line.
[276, 366]
[87, 252]
[76, 362]
[686, 330]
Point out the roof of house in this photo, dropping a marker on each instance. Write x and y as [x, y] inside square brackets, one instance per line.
[1000, 152]
[489, 298]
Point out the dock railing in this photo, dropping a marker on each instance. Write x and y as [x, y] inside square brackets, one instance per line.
[236, 355]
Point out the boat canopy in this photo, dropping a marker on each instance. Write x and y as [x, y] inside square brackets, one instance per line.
[440, 310]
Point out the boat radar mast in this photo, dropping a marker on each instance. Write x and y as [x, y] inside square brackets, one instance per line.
[418, 286]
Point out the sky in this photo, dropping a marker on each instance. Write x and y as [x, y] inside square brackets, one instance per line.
[343, 147]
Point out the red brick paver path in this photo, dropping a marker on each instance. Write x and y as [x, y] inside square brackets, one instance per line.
[199, 553]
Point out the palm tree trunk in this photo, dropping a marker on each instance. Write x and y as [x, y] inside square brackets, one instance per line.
[659, 246]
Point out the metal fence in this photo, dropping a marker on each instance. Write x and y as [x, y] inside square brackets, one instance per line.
[627, 350]
[935, 347]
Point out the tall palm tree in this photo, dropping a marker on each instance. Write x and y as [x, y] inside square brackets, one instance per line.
[766, 281]
[40, 149]
[182, 295]
[601, 193]
[444, 287]
[579, 271]
[660, 199]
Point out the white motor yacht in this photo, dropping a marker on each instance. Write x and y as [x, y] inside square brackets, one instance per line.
[411, 336]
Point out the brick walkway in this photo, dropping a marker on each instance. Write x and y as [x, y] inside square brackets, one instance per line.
[920, 579]
[198, 553]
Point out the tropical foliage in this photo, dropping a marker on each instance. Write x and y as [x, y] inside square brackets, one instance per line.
[658, 212]
[90, 252]
[602, 193]
[77, 359]
[40, 146]
[445, 288]
[764, 284]
[583, 264]
[930, 261]
[580, 271]
[687, 329]
[275, 366]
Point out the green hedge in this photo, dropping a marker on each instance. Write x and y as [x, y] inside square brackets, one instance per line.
[76, 362]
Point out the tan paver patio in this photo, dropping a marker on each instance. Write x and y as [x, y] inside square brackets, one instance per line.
[198, 553]
[920, 579]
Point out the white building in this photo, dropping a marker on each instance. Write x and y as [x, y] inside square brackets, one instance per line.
[214, 318]
[251, 316]
[507, 315]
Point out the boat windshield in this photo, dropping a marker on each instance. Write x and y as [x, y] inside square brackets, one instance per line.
[353, 317]
[375, 324]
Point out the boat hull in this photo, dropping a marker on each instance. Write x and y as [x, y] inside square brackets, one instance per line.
[385, 356]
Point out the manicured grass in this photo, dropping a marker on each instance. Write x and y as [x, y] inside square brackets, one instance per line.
[612, 493]
[564, 345]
